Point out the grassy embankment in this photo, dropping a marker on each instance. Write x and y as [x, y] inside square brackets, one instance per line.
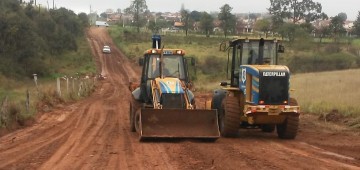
[69, 64]
[333, 92]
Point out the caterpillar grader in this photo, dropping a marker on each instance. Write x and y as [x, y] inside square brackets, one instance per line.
[163, 105]
[258, 94]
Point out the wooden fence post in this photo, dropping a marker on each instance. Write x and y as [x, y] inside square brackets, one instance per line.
[73, 85]
[58, 89]
[27, 100]
[80, 88]
[67, 85]
[3, 112]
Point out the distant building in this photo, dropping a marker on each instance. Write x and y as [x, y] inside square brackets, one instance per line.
[179, 24]
[114, 17]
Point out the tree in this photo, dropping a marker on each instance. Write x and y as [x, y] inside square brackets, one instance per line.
[356, 28]
[308, 27]
[228, 20]
[185, 18]
[29, 39]
[343, 16]
[103, 15]
[195, 16]
[206, 23]
[136, 8]
[253, 16]
[263, 25]
[337, 26]
[323, 31]
[153, 27]
[296, 10]
[288, 30]
[84, 20]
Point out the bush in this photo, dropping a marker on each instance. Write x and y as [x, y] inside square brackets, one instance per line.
[332, 48]
[212, 65]
[309, 62]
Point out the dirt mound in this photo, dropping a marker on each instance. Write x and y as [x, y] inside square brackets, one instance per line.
[333, 116]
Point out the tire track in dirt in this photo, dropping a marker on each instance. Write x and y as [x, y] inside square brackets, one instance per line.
[45, 135]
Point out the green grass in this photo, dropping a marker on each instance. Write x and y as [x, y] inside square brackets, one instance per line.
[71, 63]
[324, 92]
[356, 42]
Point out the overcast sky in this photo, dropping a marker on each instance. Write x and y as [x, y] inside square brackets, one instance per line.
[330, 7]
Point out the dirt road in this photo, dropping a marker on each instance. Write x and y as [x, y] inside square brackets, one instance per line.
[94, 134]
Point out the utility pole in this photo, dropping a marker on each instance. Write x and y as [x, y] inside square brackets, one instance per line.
[91, 16]
[248, 24]
[53, 4]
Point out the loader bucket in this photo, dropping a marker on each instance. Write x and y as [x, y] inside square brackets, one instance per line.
[178, 123]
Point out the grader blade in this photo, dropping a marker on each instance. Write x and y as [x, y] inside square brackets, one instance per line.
[179, 123]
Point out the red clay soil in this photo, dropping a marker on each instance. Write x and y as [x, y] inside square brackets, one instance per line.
[94, 134]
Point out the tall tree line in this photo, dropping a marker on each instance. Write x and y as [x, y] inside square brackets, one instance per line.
[289, 18]
[30, 37]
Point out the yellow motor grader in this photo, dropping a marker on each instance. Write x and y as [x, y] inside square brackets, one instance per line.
[258, 94]
[163, 105]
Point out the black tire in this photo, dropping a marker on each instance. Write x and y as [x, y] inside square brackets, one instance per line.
[267, 128]
[229, 117]
[137, 120]
[293, 102]
[289, 129]
[132, 118]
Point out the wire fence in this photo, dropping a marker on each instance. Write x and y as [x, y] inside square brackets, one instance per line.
[44, 97]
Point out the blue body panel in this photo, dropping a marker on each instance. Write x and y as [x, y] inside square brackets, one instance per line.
[258, 74]
[254, 72]
[171, 86]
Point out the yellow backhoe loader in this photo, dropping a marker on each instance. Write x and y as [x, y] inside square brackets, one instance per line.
[163, 105]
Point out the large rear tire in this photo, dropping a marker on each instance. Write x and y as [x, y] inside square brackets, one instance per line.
[289, 129]
[229, 116]
[137, 120]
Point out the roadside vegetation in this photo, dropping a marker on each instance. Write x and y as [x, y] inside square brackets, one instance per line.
[332, 95]
[48, 43]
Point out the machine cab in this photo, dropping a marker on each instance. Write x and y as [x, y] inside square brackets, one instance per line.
[246, 51]
[163, 64]
[255, 71]
[159, 63]
[257, 52]
[167, 65]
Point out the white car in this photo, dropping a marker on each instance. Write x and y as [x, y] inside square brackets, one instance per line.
[106, 49]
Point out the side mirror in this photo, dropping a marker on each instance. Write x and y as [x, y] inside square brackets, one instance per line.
[281, 49]
[141, 61]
